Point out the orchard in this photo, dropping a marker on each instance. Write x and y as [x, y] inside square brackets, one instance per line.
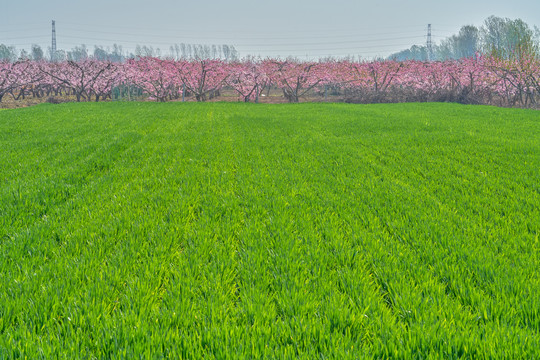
[512, 81]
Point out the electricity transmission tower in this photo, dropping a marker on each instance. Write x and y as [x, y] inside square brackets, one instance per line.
[429, 44]
[53, 45]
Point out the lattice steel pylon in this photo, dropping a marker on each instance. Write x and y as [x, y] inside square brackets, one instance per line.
[429, 44]
[53, 44]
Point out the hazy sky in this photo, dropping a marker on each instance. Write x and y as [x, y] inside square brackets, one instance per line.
[301, 28]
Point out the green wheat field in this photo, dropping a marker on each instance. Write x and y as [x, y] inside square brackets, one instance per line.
[232, 231]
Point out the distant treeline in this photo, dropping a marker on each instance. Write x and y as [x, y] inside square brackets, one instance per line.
[117, 54]
[497, 35]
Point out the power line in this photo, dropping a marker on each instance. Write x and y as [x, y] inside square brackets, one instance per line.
[26, 37]
[340, 48]
[235, 38]
[254, 44]
[258, 45]
[18, 31]
[183, 30]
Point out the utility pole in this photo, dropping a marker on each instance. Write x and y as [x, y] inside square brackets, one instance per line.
[429, 44]
[53, 45]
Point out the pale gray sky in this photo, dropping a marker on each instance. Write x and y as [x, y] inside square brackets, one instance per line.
[301, 28]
